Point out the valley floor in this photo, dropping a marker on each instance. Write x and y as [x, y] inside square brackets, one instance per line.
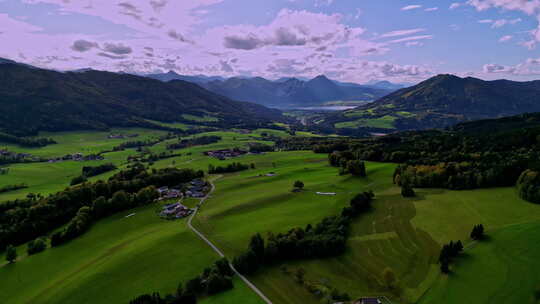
[119, 257]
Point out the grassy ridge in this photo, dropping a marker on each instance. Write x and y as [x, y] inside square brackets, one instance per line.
[503, 269]
[116, 260]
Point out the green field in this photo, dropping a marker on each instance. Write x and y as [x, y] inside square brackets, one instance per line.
[119, 258]
[116, 260]
[385, 122]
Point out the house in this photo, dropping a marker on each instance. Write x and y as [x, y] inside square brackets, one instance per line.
[163, 190]
[369, 301]
[326, 193]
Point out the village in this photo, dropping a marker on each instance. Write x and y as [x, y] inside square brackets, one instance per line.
[225, 153]
[197, 188]
[76, 157]
[121, 136]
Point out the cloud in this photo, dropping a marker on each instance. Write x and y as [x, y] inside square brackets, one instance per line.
[118, 49]
[431, 9]
[500, 22]
[455, 5]
[505, 38]
[531, 67]
[412, 38]
[402, 32]
[411, 7]
[111, 56]
[528, 7]
[83, 45]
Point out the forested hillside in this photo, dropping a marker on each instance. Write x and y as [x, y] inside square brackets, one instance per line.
[35, 100]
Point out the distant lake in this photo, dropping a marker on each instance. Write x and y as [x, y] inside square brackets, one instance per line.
[327, 108]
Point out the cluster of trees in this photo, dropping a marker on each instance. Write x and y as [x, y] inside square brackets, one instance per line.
[348, 163]
[326, 239]
[36, 246]
[26, 141]
[195, 141]
[232, 167]
[258, 148]
[477, 232]
[14, 158]
[26, 219]
[325, 292]
[528, 186]
[143, 143]
[4, 171]
[8, 188]
[448, 253]
[459, 175]
[89, 171]
[317, 144]
[213, 280]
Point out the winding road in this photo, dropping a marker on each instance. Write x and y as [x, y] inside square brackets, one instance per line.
[218, 251]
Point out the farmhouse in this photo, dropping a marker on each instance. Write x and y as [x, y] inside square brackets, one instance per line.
[225, 154]
[166, 193]
[326, 193]
[196, 188]
[368, 301]
[176, 210]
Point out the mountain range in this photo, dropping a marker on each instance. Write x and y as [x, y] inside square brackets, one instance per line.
[442, 101]
[284, 92]
[34, 99]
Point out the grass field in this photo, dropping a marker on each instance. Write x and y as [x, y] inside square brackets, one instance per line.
[503, 269]
[385, 122]
[116, 260]
[122, 257]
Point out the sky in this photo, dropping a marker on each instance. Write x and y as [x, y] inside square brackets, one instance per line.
[347, 40]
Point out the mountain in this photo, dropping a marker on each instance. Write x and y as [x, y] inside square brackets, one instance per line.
[34, 99]
[171, 75]
[442, 101]
[291, 92]
[387, 85]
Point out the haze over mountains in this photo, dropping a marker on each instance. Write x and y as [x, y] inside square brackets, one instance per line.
[35, 99]
[286, 92]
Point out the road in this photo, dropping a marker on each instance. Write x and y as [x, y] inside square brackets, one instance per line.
[218, 251]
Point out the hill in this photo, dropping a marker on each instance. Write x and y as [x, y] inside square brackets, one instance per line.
[284, 92]
[35, 100]
[442, 101]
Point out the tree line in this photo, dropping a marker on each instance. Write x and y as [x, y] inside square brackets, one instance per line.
[528, 186]
[213, 280]
[230, 168]
[89, 171]
[32, 142]
[23, 220]
[195, 141]
[326, 239]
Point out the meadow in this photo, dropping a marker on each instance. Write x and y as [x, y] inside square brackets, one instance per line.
[119, 258]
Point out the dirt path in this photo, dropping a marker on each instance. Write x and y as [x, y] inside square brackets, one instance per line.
[218, 251]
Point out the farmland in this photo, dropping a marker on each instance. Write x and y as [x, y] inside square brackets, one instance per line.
[121, 257]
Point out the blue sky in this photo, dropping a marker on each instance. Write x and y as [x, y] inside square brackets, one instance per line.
[349, 40]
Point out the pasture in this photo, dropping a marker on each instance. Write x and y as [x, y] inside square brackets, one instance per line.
[119, 258]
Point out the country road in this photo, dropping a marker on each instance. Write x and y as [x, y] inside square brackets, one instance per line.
[219, 252]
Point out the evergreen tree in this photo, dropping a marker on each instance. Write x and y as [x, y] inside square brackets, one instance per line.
[11, 254]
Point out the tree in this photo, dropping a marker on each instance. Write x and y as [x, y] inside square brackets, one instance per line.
[11, 254]
[298, 185]
[256, 244]
[356, 168]
[407, 190]
[299, 275]
[389, 278]
[477, 232]
[445, 266]
[35, 246]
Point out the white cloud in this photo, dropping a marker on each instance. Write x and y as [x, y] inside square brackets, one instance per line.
[505, 38]
[455, 5]
[431, 9]
[402, 32]
[412, 38]
[500, 22]
[411, 7]
[530, 67]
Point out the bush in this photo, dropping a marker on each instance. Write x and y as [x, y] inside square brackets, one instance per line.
[36, 246]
